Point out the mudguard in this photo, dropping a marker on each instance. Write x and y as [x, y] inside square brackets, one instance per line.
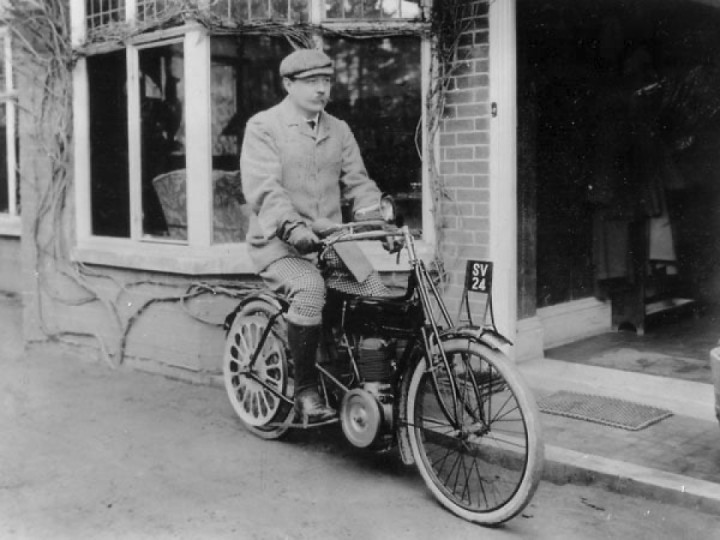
[487, 336]
[277, 302]
[403, 438]
[483, 334]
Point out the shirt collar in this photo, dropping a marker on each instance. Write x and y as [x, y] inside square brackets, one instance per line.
[295, 118]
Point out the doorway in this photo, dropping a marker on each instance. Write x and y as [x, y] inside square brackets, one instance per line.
[619, 155]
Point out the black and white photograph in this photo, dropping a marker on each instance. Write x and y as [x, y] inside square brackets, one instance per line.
[359, 269]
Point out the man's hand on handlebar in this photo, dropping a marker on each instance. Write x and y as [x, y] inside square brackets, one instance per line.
[370, 216]
[328, 232]
[324, 227]
[302, 238]
[392, 244]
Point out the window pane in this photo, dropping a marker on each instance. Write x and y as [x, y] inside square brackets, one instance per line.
[259, 9]
[110, 195]
[299, 11]
[164, 204]
[281, 10]
[147, 10]
[4, 184]
[378, 92]
[245, 80]
[103, 12]
[230, 9]
[372, 9]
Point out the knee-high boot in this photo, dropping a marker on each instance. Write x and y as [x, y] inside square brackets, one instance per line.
[303, 342]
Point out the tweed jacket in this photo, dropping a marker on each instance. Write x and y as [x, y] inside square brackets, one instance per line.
[290, 173]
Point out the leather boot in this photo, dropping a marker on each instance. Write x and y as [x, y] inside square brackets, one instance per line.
[303, 342]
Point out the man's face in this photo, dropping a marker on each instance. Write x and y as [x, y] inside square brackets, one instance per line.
[309, 94]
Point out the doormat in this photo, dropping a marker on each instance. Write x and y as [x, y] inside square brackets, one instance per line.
[602, 410]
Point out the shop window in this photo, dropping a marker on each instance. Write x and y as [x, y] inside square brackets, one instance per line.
[161, 212]
[9, 184]
[162, 142]
[377, 91]
[244, 80]
[162, 171]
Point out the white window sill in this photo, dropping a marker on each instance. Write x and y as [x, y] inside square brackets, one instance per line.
[213, 260]
[164, 257]
[10, 225]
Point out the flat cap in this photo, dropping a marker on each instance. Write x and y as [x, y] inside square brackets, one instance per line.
[306, 63]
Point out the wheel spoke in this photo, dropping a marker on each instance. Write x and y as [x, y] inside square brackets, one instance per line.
[476, 456]
[255, 391]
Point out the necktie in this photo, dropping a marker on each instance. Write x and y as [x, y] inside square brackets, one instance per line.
[312, 125]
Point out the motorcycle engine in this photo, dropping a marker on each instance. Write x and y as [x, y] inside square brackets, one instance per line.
[375, 359]
[367, 411]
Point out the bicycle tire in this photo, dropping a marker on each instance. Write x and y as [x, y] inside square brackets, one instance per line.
[486, 467]
[259, 410]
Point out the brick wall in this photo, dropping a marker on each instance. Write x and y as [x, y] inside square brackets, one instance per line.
[464, 157]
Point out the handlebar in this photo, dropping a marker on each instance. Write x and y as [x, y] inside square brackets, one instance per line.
[347, 232]
[331, 234]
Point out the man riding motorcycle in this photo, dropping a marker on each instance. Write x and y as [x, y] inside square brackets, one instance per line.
[297, 163]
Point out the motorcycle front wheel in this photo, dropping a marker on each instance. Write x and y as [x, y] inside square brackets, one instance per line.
[479, 448]
[255, 389]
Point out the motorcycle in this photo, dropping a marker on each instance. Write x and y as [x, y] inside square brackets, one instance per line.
[402, 376]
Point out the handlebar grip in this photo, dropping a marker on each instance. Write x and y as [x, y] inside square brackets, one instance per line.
[324, 228]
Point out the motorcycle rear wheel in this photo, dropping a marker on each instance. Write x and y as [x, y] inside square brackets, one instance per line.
[483, 459]
[260, 411]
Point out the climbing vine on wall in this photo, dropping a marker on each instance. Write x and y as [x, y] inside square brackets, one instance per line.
[451, 21]
[44, 55]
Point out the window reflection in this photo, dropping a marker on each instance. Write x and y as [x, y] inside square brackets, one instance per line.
[163, 141]
[244, 81]
[372, 9]
[254, 10]
[378, 92]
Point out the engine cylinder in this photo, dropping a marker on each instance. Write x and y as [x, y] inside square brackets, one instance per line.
[374, 358]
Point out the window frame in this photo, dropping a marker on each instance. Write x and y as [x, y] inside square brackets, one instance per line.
[198, 255]
[10, 222]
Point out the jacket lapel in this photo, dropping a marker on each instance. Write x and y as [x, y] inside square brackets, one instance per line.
[323, 128]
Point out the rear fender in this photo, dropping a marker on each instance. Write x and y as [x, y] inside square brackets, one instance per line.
[276, 302]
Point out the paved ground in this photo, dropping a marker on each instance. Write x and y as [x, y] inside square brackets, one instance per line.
[668, 367]
[680, 444]
[676, 459]
[94, 453]
[97, 453]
